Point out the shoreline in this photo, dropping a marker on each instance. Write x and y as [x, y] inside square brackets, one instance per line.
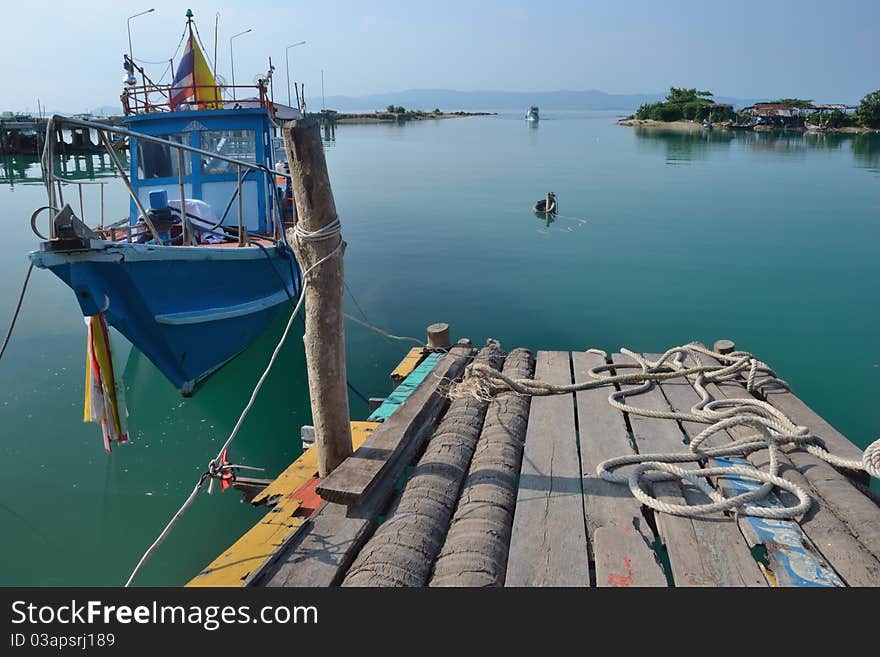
[395, 117]
[692, 126]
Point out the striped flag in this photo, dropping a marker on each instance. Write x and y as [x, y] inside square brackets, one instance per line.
[194, 81]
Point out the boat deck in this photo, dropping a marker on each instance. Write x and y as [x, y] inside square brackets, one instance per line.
[505, 493]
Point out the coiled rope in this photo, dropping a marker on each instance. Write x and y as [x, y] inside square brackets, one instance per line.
[775, 429]
[217, 467]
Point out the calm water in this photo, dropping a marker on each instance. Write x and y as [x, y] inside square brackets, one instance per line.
[666, 237]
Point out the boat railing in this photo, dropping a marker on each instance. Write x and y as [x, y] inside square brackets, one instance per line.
[151, 98]
[55, 184]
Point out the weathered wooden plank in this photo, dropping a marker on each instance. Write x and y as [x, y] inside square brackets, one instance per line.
[476, 548]
[355, 476]
[734, 559]
[694, 560]
[306, 467]
[259, 544]
[403, 549]
[320, 553]
[548, 544]
[793, 559]
[829, 528]
[621, 540]
[407, 365]
[405, 389]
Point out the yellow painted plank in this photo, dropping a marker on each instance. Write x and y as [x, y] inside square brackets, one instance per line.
[253, 548]
[408, 364]
[306, 467]
[260, 542]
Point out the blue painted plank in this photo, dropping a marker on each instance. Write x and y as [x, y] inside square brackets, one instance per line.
[405, 389]
[794, 560]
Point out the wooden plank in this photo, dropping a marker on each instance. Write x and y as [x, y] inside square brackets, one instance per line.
[407, 365]
[292, 494]
[320, 553]
[548, 545]
[621, 540]
[405, 389]
[829, 528]
[354, 477]
[306, 467]
[738, 534]
[695, 557]
[793, 559]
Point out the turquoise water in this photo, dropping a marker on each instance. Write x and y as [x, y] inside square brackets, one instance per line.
[664, 238]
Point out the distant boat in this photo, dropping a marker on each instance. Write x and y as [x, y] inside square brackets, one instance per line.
[541, 206]
[813, 127]
[532, 114]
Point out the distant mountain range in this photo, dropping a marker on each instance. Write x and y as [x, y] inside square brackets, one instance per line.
[450, 100]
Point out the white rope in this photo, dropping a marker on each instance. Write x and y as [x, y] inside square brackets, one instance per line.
[215, 466]
[775, 428]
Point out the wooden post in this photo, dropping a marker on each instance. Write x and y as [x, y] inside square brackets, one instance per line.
[723, 346]
[547, 204]
[438, 336]
[324, 334]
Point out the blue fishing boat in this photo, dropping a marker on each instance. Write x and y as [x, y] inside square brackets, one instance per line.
[200, 265]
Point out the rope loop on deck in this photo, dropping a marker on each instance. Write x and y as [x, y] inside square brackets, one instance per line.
[774, 430]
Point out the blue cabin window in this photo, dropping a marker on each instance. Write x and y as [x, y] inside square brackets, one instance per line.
[237, 144]
[160, 161]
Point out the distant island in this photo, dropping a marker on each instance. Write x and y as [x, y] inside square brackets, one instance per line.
[691, 109]
[399, 114]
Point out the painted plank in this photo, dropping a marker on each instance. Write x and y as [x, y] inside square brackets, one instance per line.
[292, 493]
[407, 365]
[306, 467]
[691, 563]
[621, 540]
[793, 560]
[726, 548]
[355, 476]
[322, 551]
[405, 389]
[548, 545]
[828, 528]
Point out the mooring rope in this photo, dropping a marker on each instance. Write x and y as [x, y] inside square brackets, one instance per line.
[216, 467]
[27, 277]
[775, 428]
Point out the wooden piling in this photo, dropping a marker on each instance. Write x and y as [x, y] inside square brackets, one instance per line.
[476, 548]
[324, 331]
[404, 547]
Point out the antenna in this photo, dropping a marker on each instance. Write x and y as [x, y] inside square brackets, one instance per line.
[216, 27]
[322, 89]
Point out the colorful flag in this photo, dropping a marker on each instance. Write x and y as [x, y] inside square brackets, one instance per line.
[194, 81]
[104, 396]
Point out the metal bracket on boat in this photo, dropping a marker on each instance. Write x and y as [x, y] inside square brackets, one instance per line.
[71, 233]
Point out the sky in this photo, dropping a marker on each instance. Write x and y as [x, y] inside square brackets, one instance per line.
[69, 55]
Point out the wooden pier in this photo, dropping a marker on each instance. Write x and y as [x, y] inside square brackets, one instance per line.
[504, 492]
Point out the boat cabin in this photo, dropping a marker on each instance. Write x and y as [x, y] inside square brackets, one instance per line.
[242, 133]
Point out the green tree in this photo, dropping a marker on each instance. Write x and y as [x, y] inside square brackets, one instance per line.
[868, 112]
[390, 108]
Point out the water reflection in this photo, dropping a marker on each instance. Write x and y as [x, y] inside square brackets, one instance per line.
[26, 169]
[683, 147]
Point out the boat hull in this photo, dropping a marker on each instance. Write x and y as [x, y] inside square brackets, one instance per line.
[188, 309]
